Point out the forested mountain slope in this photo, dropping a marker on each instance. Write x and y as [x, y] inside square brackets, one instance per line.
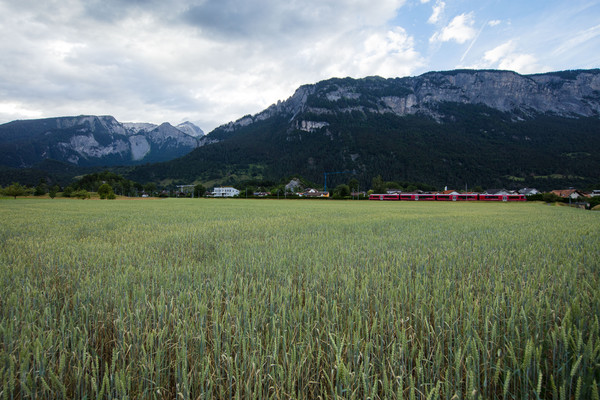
[491, 128]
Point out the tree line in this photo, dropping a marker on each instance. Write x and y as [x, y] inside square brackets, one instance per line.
[109, 185]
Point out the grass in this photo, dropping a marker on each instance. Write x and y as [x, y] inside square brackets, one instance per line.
[221, 298]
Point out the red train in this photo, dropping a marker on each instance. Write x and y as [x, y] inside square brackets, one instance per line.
[448, 197]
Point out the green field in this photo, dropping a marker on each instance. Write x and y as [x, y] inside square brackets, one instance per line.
[220, 298]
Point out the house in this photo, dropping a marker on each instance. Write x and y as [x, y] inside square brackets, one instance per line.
[393, 191]
[568, 193]
[595, 193]
[529, 191]
[310, 192]
[226, 191]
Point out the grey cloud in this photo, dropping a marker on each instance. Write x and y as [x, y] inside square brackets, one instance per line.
[272, 20]
[227, 17]
[115, 10]
[240, 19]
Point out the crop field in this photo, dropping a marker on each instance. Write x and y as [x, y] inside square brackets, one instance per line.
[258, 299]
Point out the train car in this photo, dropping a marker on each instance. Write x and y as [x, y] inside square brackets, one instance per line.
[456, 197]
[502, 197]
[448, 197]
[417, 197]
[384, 197]
[492, 197]
[467, 197]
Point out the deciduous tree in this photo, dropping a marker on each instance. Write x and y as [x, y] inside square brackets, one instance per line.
[378, 185]
[105, 190]
[199, 190]
[15, 190]
[53, 191]
[341, 191]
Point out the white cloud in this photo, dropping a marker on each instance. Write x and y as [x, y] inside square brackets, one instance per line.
[368, 52]
[438, 9]
[521, 63]
[388, 54]
[459, 30]
[508, 57]
[499, 52]
[12, 110]
[494, 22]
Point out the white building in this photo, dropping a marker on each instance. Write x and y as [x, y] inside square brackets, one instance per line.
[225, 192]
[529, 191]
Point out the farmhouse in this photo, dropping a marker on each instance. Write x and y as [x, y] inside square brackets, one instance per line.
[226, 191]
[568, 193]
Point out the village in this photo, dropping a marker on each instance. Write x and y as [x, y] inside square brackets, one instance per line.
[294, 189]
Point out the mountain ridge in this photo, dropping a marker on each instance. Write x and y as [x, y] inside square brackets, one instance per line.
[412, 94]
[481, 126]
[89, 140]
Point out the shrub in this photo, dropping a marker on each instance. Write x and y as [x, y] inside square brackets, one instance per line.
[68, 192]
[551, 198]
[81, 194]
[594, 201]
[341, 191]
[40, 189]
[105, 190]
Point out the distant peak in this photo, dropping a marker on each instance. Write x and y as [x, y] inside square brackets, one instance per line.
[190, 128]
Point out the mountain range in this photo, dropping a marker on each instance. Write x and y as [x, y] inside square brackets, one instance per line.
[450, 128]
[94, 141]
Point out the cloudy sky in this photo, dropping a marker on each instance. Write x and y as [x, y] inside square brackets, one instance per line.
[213, 61]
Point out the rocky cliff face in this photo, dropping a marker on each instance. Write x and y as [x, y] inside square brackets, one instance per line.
[91, 140]
[566, 94]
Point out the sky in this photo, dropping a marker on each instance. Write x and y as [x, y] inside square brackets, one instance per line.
[214, 61]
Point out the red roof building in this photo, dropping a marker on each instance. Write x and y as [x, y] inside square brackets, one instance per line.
[568, 193]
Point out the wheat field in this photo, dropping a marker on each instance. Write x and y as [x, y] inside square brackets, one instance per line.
[292, 299]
